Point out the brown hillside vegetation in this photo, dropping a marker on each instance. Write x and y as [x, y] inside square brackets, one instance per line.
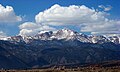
[108, 66]
[83, 69]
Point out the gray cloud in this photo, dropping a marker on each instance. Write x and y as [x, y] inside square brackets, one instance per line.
[106, 8]
[2, 34]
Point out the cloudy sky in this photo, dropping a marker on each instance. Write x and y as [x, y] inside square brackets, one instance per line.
[23, 17]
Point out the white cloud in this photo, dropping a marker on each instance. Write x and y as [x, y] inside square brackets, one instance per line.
[105, 27]
[30, 28]
[106, 8]
[7, 14]
[88, 19]
[29, 25]
[58, 15]
[2, 34]
[27, 32]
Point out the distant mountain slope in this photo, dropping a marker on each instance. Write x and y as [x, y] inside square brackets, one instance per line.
[9, 61]
[63, 47]
[65, 34]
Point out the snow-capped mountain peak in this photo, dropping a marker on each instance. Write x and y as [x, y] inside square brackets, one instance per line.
[99, 39]
[115, 39]
[65, 34]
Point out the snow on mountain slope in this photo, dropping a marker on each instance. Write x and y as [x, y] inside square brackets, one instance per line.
[65, 34]
[115, 39]
[99, 39]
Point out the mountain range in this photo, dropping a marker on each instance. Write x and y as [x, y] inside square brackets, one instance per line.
[54, 48]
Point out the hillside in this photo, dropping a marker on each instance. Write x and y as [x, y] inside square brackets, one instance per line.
[66, 48]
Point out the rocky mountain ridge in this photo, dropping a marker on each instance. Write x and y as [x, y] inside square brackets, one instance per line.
[62, 47]
[66, 34]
